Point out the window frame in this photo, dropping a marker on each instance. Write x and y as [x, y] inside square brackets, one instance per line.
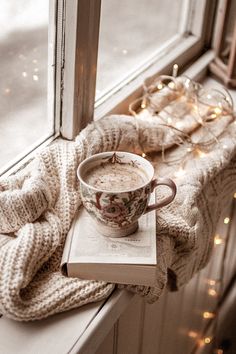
[80, 56]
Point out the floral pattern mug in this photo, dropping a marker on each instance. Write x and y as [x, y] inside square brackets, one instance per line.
[116, 213]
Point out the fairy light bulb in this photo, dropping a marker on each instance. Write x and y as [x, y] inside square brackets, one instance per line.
[219, 351]
[235, 195]
[218, 240]
[212, 292]
[160, 86]
[179, 125]
[187, 83]
[208, 315]
[169, 120]
[207, 340]
[213, 115]
[175, 70]
[226, 220]
[144, 103]
[204, 341]
[200, 153]
[218, 110]
[144, 155]
[211, 282]
[171, 85]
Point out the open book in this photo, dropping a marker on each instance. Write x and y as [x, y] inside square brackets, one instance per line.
[126, 260]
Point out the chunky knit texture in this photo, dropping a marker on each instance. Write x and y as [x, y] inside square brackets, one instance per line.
[37, 206]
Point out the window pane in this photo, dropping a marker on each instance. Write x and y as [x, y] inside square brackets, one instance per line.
[131, 31]
[24, 76]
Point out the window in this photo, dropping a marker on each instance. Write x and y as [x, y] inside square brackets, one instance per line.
[133, 33]
[49, 52]
[122, 62]
[27, 48]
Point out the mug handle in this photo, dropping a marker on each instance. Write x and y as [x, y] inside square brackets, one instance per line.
[162, 182]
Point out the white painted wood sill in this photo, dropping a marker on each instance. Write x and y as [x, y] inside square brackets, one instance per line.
[80, 330]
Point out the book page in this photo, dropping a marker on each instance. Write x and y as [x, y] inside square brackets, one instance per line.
[89, 246]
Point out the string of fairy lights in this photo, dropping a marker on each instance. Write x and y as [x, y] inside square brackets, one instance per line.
[215, 290]
[209, 107]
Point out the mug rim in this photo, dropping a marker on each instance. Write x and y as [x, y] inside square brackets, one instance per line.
[110, 153]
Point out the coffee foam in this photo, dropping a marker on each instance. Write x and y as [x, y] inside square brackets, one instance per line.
[116, 177]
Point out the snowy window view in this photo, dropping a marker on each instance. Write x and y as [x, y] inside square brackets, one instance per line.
[24, 75]
[131, 31]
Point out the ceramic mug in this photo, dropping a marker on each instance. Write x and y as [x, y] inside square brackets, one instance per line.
[116, 211]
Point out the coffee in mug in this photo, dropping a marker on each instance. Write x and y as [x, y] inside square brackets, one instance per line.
[115, 190]
[116, 177]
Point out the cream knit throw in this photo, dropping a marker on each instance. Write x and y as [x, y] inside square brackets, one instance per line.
[38, 204]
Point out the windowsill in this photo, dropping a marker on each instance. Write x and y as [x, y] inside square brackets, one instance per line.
[83, 329]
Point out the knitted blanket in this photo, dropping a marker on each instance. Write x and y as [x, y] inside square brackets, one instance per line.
[37, 206]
